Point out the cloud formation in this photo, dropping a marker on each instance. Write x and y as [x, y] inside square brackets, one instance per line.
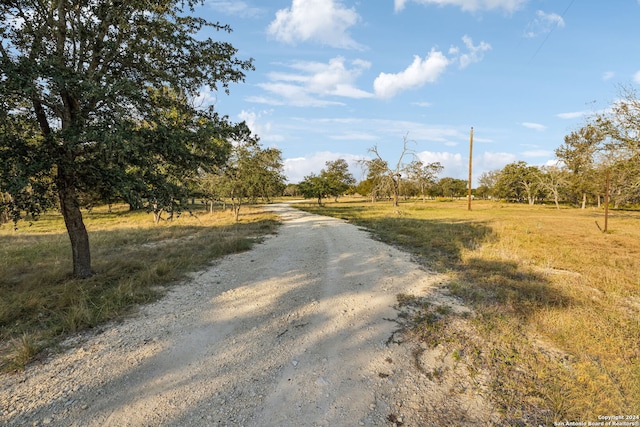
[427, 70]
[321, 21]
[534, 126]
[572, 115]
[473, 53]
[235, 7]
[454, 163]
[468, 5]
[307, 82]
[259, 126]
[543, 23]
[419, 73]
[636, 76]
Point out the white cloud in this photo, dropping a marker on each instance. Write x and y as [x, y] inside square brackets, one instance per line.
[295, 169]
[416, 75]
[454, 164]
[534, 126]
[636, 76]
[489, 161]
[468, 5]
[423, 104]
[421, 72]
[543, 23]
[608, 75]
[474, 54]
[205, 98]
[333, 78]
[259, 126]
[486, 162]
[264, 100]
[289, 94]
[572, 115]
[322, 21]
[309, 81]
[554, 163]
[236, 7]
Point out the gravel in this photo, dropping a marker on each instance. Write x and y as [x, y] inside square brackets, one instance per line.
[295, 332]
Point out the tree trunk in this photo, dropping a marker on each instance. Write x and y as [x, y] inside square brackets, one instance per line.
[584, 200]
[4, 215]
[396, 192]
[70, 208]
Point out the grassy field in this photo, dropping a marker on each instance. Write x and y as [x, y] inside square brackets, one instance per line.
[556, 302]
[133, 260]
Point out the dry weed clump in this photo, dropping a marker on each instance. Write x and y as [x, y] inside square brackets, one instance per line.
[18, 352]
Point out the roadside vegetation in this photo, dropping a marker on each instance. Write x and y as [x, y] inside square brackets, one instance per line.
[556, 302]
[136, 260]
[556, 296]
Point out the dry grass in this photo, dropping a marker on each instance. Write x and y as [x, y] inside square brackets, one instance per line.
[133, 259]
[556, 302]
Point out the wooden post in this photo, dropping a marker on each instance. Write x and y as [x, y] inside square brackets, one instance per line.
[606, 203]
[470, 166]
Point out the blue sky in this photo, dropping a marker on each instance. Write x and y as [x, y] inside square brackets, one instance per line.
[334, 78]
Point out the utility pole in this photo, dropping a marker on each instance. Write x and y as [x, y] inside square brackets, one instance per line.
[470, 165]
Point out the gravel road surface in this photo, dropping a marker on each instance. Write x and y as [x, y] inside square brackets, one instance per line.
[294, 332]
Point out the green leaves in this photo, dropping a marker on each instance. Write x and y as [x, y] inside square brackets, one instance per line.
[334, 180]
[517, 181]
[108, 85]
[97, 100]
[609, 141]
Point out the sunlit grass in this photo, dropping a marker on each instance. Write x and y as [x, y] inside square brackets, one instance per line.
[132, 258]
[556, 301]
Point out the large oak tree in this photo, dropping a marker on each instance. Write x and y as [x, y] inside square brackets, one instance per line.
[97, 95]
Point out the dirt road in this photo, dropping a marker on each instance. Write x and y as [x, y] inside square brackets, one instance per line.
[291, 333]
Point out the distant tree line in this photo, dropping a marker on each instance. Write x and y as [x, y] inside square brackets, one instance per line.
[598, 159]
[606, 150]
[403, 180]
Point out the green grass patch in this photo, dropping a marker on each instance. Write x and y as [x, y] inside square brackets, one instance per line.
[556, 302]
[133, 260]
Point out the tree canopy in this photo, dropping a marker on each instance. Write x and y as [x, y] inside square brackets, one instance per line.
[608, 144]
[338, 177]
[518, 181]
[99, 96]
[252, 172]
[334, 180]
